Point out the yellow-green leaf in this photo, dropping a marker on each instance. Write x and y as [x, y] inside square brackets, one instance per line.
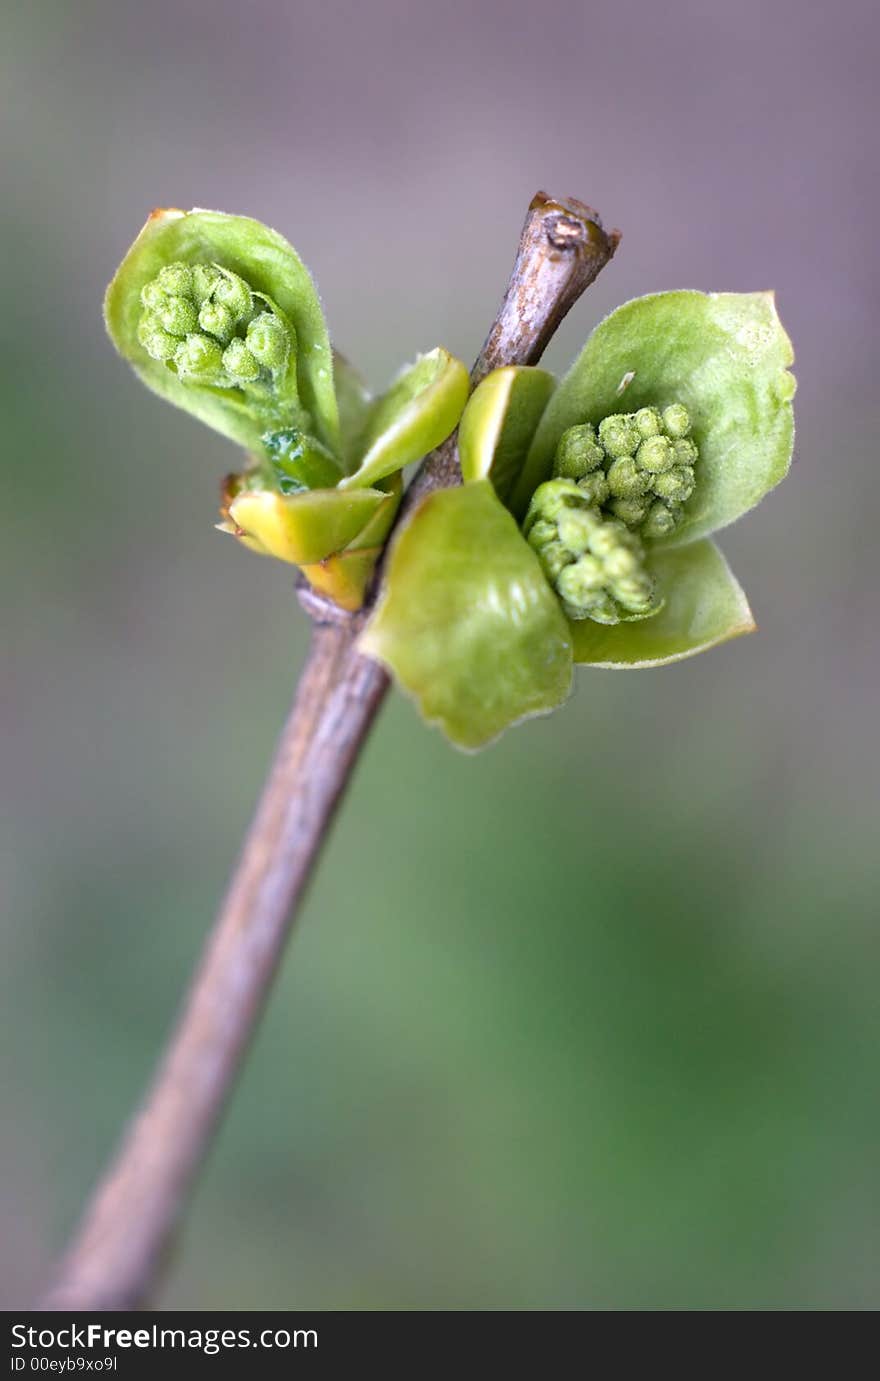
[306, 527]
[499, 422]
[271, 266]
[466, 620]
[704, 606]
[725, 356]
[419, 411]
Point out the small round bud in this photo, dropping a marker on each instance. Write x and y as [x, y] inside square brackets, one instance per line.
[630, 511]
[579, 583]
[199, 357]
[176, 280]
[601, 609]
[591, 573]
[656, 454]
[235, 294]
[205, 278]
[541, 533]
[631, 586]
[152, 296]
[576, 528]
[676, 484]
[594, 488]
[648, 422]
[578, 452]
[660, 521]
[552, 498]
[594, 563]
[554, 558]
[268, 341]
[177, 315]
[636, 595]
[685, 451]
[606, 538]
[239, 363]
[217, 320]
[626, 480]
[621, 563]
[676, 420]
[158, 343]
[619, 434]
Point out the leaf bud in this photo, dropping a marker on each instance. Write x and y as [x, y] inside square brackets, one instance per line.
[554, 557]
[199, 357]
[217, 320]
[661, 520]
[676, 420]
[595, 565]
[158, 343]
[552, 498]
[234, 293]
[578, 452]
[685, 451]
[619, 434]
[575, 529]
[268, 340]
[541, 533]
[630, 511]
[152, 296]
[177, 315]
[239, 363]
[205, 278]
[626, 480]
[176, 280]
[594, 488]
[655, 454]
[676, 485]
[648, 422]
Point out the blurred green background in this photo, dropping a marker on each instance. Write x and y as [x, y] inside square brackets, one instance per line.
[588, 1021]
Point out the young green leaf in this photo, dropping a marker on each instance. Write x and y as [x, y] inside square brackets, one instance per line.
[725, 357]
[467, 622]
[302, 528]
[345, 575]
[419, 411]
[353, 399]
[286, 326]
[499, 423]
[704, 606]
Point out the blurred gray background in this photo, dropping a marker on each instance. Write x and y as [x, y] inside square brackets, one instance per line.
[588, 1021]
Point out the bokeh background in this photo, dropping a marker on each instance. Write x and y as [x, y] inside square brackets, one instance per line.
[589, 1021]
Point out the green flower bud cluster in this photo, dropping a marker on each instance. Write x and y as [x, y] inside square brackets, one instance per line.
[594, 563]
[212, 328]
[638, 467]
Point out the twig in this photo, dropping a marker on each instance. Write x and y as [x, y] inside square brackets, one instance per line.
[117, 1253]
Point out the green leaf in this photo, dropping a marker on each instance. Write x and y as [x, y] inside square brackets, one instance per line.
[297, 461]
[499, 422]
[345, 576]
[270, 266]
[354, 400]
[466, 620]
[704, 606]
[419, 411]
[725, 356]
[306, 527]
[378, 525]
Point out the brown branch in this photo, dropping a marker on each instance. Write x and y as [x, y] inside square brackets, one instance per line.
[117, 1253]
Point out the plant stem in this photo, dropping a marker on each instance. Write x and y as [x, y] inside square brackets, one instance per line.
[117, 1253]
